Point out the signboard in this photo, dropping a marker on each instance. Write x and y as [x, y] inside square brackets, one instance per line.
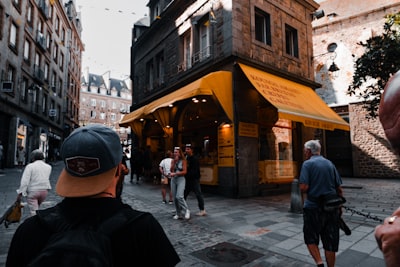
[226, 149]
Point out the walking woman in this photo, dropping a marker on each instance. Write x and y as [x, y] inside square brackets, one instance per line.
[178, 183]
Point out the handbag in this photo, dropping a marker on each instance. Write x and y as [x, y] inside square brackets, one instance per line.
[13, 214]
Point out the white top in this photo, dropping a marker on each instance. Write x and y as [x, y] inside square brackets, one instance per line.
[36, 177]
[165, 164]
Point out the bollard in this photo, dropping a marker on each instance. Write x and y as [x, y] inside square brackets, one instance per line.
[296, 202]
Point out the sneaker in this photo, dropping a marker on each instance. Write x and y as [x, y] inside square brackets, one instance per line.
[177, 217]
[187, 215]
[164, 202]
[202, 213]
[170, 202]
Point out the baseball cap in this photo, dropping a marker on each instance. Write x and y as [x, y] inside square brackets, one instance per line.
[91, 155]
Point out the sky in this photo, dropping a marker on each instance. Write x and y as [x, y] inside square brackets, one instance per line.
[107, 34]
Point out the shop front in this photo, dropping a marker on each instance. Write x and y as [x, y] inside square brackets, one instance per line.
[247, 127]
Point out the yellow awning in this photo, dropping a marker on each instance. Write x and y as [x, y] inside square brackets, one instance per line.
[129, 118]
[217, 83]
[295, 101]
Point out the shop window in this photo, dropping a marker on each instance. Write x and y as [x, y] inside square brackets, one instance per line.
[262, 27]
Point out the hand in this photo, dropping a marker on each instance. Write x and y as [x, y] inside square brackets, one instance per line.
[388, 238]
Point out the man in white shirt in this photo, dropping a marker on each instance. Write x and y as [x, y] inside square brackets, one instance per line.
[35, 181]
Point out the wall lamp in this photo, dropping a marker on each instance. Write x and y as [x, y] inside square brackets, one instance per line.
[318, 14]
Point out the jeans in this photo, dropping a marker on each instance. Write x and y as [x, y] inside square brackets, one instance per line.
[194, 185]
[34, 200]
[177, 189]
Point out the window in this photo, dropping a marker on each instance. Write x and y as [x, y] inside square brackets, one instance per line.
[102, 103]
[61, 61]
[63, 35]
[17, 4]
[291, 39]
[46, 71]
[102, 115]
[10, 74]
[150, 75]
[93, 102]
[204, 34]
[186, 52]
[160, 69]
[60, 86]
[57, 24]
[48, 41]
[29, 14]
[262, 27]
[24, 89]
[93, 114]
[27, 48]
[44, 104]
[13, 36]
[55, 52]
[113, 117]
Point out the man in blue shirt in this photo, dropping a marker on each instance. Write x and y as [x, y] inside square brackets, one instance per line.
[319, 177]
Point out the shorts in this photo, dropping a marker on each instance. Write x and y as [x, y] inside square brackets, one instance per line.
[321, 224]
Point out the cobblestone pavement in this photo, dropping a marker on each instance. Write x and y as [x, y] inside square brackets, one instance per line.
[262, 229]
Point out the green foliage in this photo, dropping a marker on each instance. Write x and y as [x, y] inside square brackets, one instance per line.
[374, 68]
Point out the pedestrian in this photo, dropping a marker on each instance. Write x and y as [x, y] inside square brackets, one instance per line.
[178, 182]
[165, 170]
[91, 155]
[35, 181]
[137, 163]
[387, 234]
[122, 171]
[193, 179]
[319, 177]
[21, 156]
[1, 155]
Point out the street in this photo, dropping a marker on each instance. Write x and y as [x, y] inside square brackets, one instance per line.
[257, 231]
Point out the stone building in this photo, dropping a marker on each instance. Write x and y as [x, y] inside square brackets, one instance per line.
[104, 100]
[335, 39]
[40, 63]
[234, 79]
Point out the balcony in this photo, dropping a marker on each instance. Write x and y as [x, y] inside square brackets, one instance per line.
[38, 74]
[43, 8]
[41, 40]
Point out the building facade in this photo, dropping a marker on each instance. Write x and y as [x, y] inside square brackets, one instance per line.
[345, 25]
[234, 79]
[40, 61]
[105, 100]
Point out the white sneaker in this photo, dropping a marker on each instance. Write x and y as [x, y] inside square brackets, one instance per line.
[187, 215]
[176, 217]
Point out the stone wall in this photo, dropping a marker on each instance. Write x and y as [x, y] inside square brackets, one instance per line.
[372, 155]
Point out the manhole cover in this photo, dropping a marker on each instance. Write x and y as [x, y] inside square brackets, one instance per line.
[227, 254]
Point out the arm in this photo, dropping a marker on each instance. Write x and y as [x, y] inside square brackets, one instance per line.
[388, 238]
[304, 188]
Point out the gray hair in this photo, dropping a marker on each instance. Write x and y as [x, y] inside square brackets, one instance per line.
[314, 146]
[37, 154]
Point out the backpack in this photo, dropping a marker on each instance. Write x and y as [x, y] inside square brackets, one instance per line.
[80, 245]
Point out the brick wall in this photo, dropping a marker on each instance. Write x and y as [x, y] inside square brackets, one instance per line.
[372, 156]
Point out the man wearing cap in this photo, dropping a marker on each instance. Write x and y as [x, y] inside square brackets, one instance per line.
[91, 155]
[193, 179]
[35, 181]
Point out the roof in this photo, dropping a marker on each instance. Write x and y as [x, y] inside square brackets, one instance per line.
[339, 10]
